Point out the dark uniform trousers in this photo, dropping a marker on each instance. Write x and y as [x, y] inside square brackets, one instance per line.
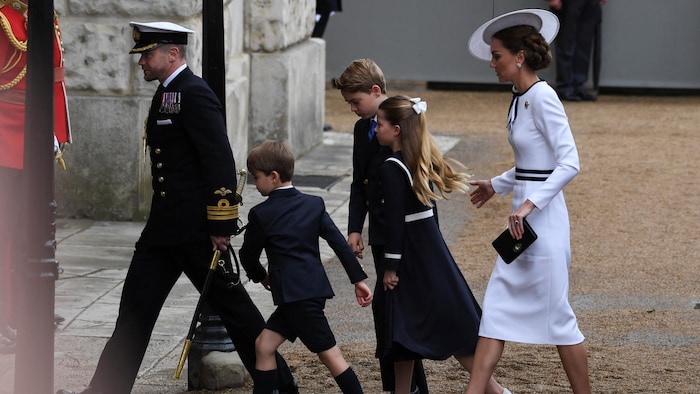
[142, 299]
[574, 43]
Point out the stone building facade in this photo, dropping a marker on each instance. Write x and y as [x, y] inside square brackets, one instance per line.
[274, 89]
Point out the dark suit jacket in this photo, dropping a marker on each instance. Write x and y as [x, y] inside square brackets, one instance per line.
[366, 188]
[288, 226]
[191, 164]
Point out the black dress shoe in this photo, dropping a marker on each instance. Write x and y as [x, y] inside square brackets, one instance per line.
[570, 97]
[413, 391]
[585, 96]
[57, 320]
[291, 389]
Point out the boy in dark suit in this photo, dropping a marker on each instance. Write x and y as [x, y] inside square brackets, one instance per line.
[363, 86]
[288, 226]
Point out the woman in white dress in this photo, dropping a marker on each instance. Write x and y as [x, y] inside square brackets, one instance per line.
[527, 301]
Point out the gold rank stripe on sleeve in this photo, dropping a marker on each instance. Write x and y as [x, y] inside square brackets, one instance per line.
[222, 211]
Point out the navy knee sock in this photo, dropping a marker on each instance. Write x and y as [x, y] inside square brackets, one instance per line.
[264, 381]
[348, 382]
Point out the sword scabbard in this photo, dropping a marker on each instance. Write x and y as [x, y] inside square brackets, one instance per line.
[183, 357]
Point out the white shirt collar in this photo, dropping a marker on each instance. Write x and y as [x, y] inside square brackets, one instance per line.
[173, 75]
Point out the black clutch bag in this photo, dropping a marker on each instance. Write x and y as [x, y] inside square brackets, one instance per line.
[510, 248]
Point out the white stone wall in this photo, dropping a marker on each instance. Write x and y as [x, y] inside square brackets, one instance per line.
[287, 84]
[295, 111]
[108, 174]
[278, 24]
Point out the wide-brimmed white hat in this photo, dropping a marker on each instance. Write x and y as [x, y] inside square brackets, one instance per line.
[544, 21]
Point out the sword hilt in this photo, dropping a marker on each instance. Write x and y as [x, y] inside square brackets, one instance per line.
[242, 176]
[215, 260]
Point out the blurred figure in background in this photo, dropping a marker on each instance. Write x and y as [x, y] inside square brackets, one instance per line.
[324, 10]
[579, 20]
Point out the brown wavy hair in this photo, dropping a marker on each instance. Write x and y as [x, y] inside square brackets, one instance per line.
[421, 153]
[360, 76]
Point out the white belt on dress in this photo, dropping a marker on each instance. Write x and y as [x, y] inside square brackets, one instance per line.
[410, 218]
[419, 215]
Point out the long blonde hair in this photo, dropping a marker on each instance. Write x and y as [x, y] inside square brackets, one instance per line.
[421, 153]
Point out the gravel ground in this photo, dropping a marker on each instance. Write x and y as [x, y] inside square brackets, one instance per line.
[634, 276]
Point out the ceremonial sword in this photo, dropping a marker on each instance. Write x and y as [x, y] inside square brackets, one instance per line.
[242, 174]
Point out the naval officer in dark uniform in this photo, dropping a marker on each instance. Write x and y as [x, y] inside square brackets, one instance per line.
[193, 213]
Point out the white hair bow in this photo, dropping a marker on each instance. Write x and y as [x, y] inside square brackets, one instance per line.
[419, 105]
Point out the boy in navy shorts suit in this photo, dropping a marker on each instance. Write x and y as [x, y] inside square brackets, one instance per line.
[288, 226]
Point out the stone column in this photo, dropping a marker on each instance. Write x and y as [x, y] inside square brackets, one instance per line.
[287, 73]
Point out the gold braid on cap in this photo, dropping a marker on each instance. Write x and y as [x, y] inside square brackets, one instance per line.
[148, 47]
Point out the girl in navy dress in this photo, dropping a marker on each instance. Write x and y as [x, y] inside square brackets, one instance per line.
[431, 310]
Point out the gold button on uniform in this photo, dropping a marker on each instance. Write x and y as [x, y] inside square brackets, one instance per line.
[161, 179]
[162, 194]
[365, 181]
[159, 165]
[157, 151]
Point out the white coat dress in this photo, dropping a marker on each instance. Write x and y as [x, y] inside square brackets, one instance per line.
[528, 300]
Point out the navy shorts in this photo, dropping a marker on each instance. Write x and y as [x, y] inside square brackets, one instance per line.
[304, 320]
